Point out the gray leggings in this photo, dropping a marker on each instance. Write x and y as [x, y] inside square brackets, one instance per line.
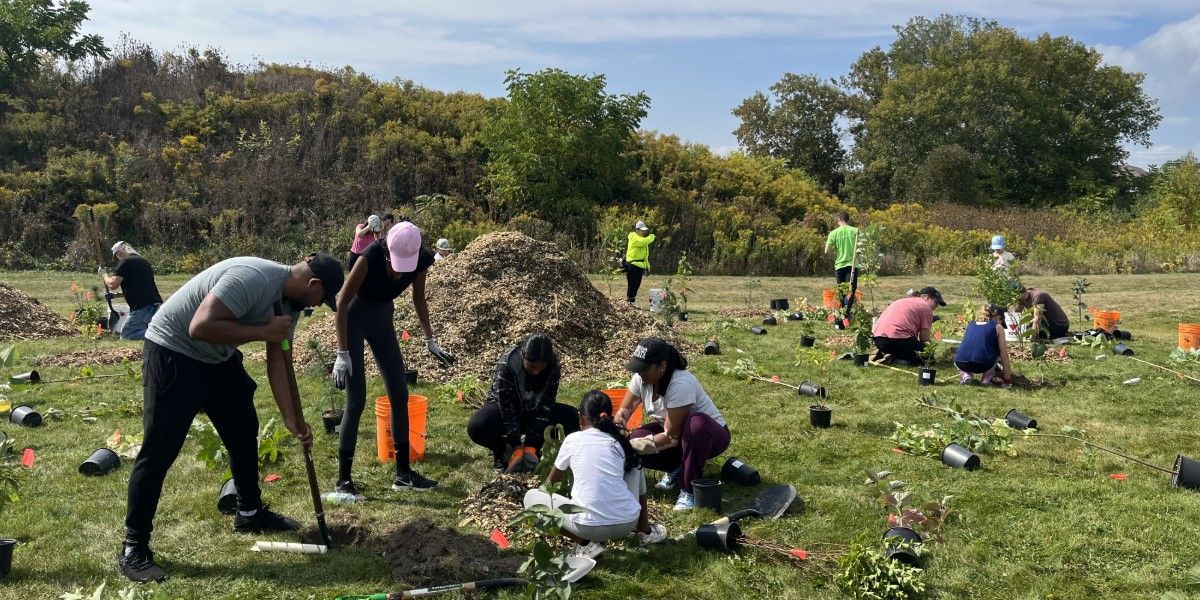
[371, 323]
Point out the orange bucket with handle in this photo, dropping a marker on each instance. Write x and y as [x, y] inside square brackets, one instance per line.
[617, 395]
[418, 408]
[1106, 320]
[1189, 336]
[830, 299]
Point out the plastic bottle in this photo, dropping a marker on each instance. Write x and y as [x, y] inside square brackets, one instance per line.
[340, 498]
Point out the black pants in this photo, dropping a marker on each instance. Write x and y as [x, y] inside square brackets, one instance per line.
[1053, 331]
[901, 348]
[176, 388]
[371, 323]
[487, 428]
[633, 281]
[843, 275]
[351, 257]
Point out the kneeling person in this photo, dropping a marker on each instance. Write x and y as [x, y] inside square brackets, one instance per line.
[903, 329]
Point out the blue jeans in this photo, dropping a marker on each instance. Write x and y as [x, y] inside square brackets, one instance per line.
[137, 321]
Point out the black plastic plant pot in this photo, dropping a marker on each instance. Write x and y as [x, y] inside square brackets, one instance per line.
[308, 311]
[780, 304]
[1018, 420]
[683, 316]
[839, 324]
[6, 554]
[1187, 473]
[739, 472]
[954, 455]
[100, 463]
[25, 416]
[331, 419]
[808, 388]
[795, 316]
[820, 416]
[707, 493]
[807, 341]
[758, 330]
[770, 321]
[721, 538]
[1122, 335]
[860, 360]
[712, 348]
[926, 376]
[410, 375]
[30, 377]
[1122, 350]
[900, 545]
[227, 499]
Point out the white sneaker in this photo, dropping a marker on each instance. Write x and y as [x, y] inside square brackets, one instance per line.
[589, 550]
[658, 533]
[669, 480]
[685, 501]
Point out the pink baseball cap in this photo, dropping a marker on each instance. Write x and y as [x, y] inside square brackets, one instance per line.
[404, 246]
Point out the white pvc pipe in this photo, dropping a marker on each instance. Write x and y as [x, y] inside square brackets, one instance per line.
[289, 547]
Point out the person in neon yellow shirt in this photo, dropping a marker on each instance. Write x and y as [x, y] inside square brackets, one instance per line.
[843, 240]
[637, 258]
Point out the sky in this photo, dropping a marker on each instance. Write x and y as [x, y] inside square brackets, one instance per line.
[696, 60]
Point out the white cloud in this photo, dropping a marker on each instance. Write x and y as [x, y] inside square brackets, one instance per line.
[1170, 58]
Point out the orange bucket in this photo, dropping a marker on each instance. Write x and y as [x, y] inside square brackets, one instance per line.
[832, 299]
[418, 408]
[1107, 320]
[617, 395]
[1189, 336]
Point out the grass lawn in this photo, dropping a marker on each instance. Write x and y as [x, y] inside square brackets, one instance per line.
[1043, 524]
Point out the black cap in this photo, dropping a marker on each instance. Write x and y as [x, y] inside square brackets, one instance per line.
[329, 271]
[649, 351]
[932, 293]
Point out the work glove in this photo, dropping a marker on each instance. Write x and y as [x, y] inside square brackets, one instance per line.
[373, 223]
[103, 272]
[644, 445]
[341, 369]
[445, 357]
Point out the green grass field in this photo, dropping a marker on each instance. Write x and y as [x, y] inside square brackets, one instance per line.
[1044, 524]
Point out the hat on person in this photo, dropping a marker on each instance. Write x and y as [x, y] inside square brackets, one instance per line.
[373, 223]
[997, 242]
[641, 226]
[649, 352]
[404, 246]
[122, 245]
[329, 271]
[444, 244]
[932, 292]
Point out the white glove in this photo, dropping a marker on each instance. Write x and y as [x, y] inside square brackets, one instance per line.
[373, 223]
[445, 357]
[341, 369]
[644, 445]
[103, 272]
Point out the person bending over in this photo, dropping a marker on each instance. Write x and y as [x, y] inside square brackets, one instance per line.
[1048, 316]
[135, 277]
[983, 349]
[903, 329]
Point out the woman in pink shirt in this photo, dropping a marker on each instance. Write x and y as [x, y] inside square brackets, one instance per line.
[903, 329]
[365, 233]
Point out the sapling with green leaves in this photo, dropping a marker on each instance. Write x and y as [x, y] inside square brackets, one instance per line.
[997, 286]
[974, 432]
[547, 562]
[868, 260]
[926, 518]
[271, 443]
[866, 572]
[1078, 290]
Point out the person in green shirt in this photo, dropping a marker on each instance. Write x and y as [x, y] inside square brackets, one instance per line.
[637, 258]
[843, 240]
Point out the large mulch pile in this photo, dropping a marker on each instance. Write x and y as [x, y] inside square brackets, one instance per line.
[421, 553]
[24, 318]
[500, 288]
[84, 358]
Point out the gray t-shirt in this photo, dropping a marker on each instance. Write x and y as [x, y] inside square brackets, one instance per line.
[247, 285]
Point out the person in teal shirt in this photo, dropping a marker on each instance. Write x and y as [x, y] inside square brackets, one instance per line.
[843, 240]
[637, 259]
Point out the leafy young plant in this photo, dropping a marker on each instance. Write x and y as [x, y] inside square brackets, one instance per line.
[865, 572]
[997, 286]
[903, 511]
[972, 431]
[10, 476]
[271, 442]
[547, 562]
[1078, 290]
[744, 368]
[860, 329]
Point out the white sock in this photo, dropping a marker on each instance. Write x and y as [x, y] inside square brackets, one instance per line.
[245, 513]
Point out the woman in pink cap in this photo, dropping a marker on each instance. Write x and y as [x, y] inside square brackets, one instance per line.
[365, 307]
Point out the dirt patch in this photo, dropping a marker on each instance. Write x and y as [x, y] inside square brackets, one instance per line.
[500, 288]
[421, 553]
[24, 318]
[344, 530]
[84, 358]
[496, 503]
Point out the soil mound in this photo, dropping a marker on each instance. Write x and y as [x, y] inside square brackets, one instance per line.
[24, 318]
[421, 553]
[500, 288]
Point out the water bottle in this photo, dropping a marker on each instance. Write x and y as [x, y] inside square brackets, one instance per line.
[340, 498]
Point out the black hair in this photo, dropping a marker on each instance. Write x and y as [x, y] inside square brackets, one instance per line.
[539, 347]
[675, 362]
[844, 217]
[387, 217]
[597, 408]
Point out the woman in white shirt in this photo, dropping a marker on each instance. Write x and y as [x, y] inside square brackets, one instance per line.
[685, 427]
[608, 482]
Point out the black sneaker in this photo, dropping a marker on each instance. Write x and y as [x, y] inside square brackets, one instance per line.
[138, 564]
[264, 520]
[414, 481]
[499, 465]
[349, 487]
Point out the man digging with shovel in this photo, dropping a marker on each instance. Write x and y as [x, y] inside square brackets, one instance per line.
[191, 363]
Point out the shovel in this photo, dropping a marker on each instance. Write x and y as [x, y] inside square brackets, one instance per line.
[471, 586]
[770, 503]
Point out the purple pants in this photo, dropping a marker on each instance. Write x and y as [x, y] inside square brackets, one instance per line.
[703, 438]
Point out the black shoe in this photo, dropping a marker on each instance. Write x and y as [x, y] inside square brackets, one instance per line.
[264, 520]
[414, 481]
[348, 487]
[138, 564]
[499, 465]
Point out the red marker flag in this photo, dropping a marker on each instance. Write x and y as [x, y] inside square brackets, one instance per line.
[498, 537]
[27, 458]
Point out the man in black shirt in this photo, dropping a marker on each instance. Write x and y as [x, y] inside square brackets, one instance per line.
[135, 277]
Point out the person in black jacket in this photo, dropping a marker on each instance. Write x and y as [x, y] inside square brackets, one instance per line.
[521, 403]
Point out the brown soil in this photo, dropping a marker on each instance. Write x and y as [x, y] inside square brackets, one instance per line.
[24, 318]
[344, 529]
[421, 553]
[500, 288]
[496, 503]
[83, 358]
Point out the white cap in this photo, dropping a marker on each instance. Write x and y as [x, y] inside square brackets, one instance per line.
[123, 245]
[373, 223]
[641, 226]
[444, 244]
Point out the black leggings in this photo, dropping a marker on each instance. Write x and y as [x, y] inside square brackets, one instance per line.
[175, 388]
[487, 428]
[901, 348]
[633, 281]
[841, 276]
[371, 323]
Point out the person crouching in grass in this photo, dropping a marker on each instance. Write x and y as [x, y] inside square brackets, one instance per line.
[983, 349]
